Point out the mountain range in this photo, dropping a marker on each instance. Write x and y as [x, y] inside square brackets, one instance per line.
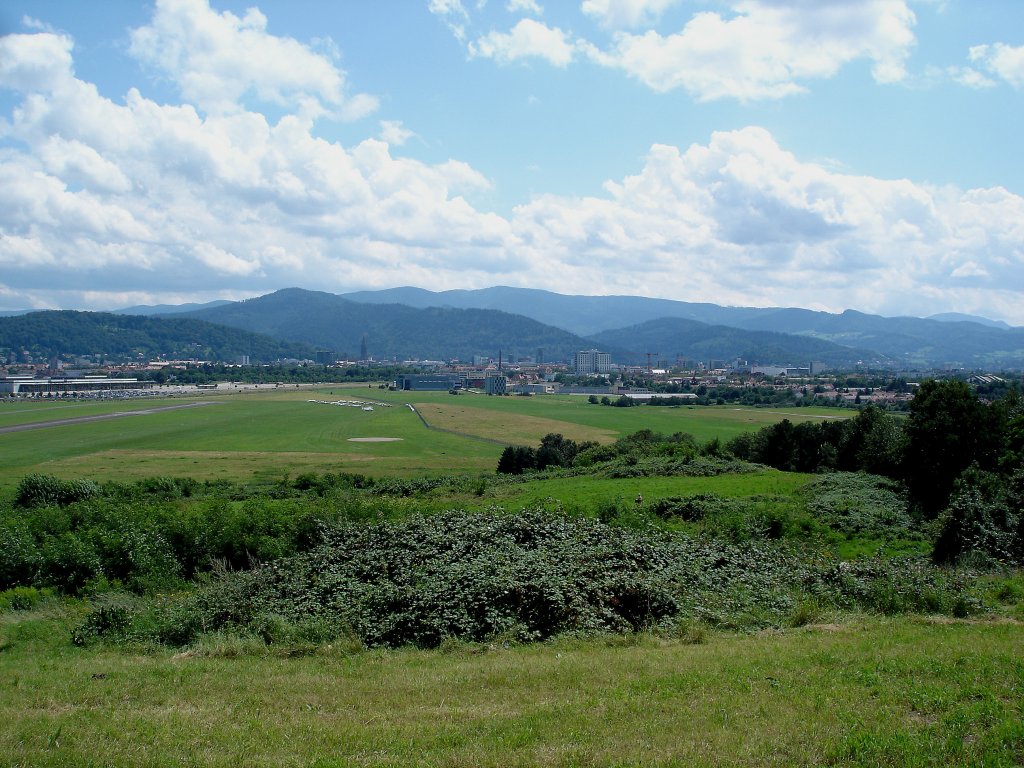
[910, 341]
[413, 323]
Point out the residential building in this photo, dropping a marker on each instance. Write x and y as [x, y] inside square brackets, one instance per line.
[592, 361]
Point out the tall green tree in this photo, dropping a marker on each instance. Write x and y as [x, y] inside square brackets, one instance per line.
[948, 430]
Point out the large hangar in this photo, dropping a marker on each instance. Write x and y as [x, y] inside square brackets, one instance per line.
[32, 386]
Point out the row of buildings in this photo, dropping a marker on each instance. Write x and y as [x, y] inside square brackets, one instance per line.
[33, 386]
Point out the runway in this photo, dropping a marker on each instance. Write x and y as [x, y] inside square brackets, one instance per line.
[100, 417]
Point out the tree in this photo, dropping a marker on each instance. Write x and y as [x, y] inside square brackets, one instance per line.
[516, 459]
[948, 429]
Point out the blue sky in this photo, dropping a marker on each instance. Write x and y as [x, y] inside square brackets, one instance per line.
[829, 154]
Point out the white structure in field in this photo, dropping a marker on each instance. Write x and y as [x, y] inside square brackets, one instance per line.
[592, 361]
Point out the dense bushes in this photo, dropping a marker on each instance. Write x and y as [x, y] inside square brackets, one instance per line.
[42, 490]
[962, 461]
[157, 534]
[659, 452]
[524, 577]
[859, 505]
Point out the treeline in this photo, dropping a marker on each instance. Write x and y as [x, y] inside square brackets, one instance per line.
[726, 395]
[641, 453]
[961, 459]
[554, 451]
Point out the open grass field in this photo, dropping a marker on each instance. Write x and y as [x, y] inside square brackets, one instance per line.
[261, 436]
[574, 417]
[862, 691]
[253, 436]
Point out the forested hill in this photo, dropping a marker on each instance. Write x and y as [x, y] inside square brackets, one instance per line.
[675, 336]
[395, 330]
[972, 342]
[56, 332]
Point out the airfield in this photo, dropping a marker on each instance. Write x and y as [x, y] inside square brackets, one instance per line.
[260, 434]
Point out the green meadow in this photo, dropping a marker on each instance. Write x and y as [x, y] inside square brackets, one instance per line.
[260, 436]
[847, 691]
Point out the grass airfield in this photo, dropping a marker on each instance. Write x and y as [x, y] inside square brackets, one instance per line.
[261, 435]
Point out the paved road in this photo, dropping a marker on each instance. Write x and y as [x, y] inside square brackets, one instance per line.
[100, 417]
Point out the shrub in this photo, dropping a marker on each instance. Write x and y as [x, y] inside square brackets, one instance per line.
[42, 490]
[23, 598]
[19, 555]
[855, 503]
[68, 563]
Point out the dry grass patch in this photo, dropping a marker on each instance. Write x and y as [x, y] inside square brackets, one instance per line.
[514, 428]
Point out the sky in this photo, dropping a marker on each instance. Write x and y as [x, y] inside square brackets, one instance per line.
[828, 154]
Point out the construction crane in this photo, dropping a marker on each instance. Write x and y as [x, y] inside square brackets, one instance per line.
[650, 370]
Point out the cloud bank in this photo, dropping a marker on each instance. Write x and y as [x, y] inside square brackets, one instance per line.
[105, 203]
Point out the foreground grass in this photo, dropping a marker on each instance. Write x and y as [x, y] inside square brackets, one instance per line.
[861, 691]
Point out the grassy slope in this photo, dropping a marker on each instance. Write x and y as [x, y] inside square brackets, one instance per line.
[868, 691]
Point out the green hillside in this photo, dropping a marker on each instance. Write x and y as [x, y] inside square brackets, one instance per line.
[395, 330]
[673, 336]
[66, 332]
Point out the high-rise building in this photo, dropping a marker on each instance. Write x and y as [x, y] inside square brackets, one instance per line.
[592, 361]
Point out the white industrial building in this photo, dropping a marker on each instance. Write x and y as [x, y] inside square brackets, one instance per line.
[31, 385]
[591, 361]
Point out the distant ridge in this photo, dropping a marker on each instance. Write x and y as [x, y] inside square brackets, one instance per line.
[149, 310]
[395, 331]
[912, 341]
[677, 336]
[959, 317]
[398, 330]
[407, 323]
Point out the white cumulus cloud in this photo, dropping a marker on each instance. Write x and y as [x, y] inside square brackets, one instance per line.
[742, 221]
[394, 133]
[767, 49]
[102, 199]
[37, 62]
[1001, 60]
[217, 59]
[524, 6]
[527, 39]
